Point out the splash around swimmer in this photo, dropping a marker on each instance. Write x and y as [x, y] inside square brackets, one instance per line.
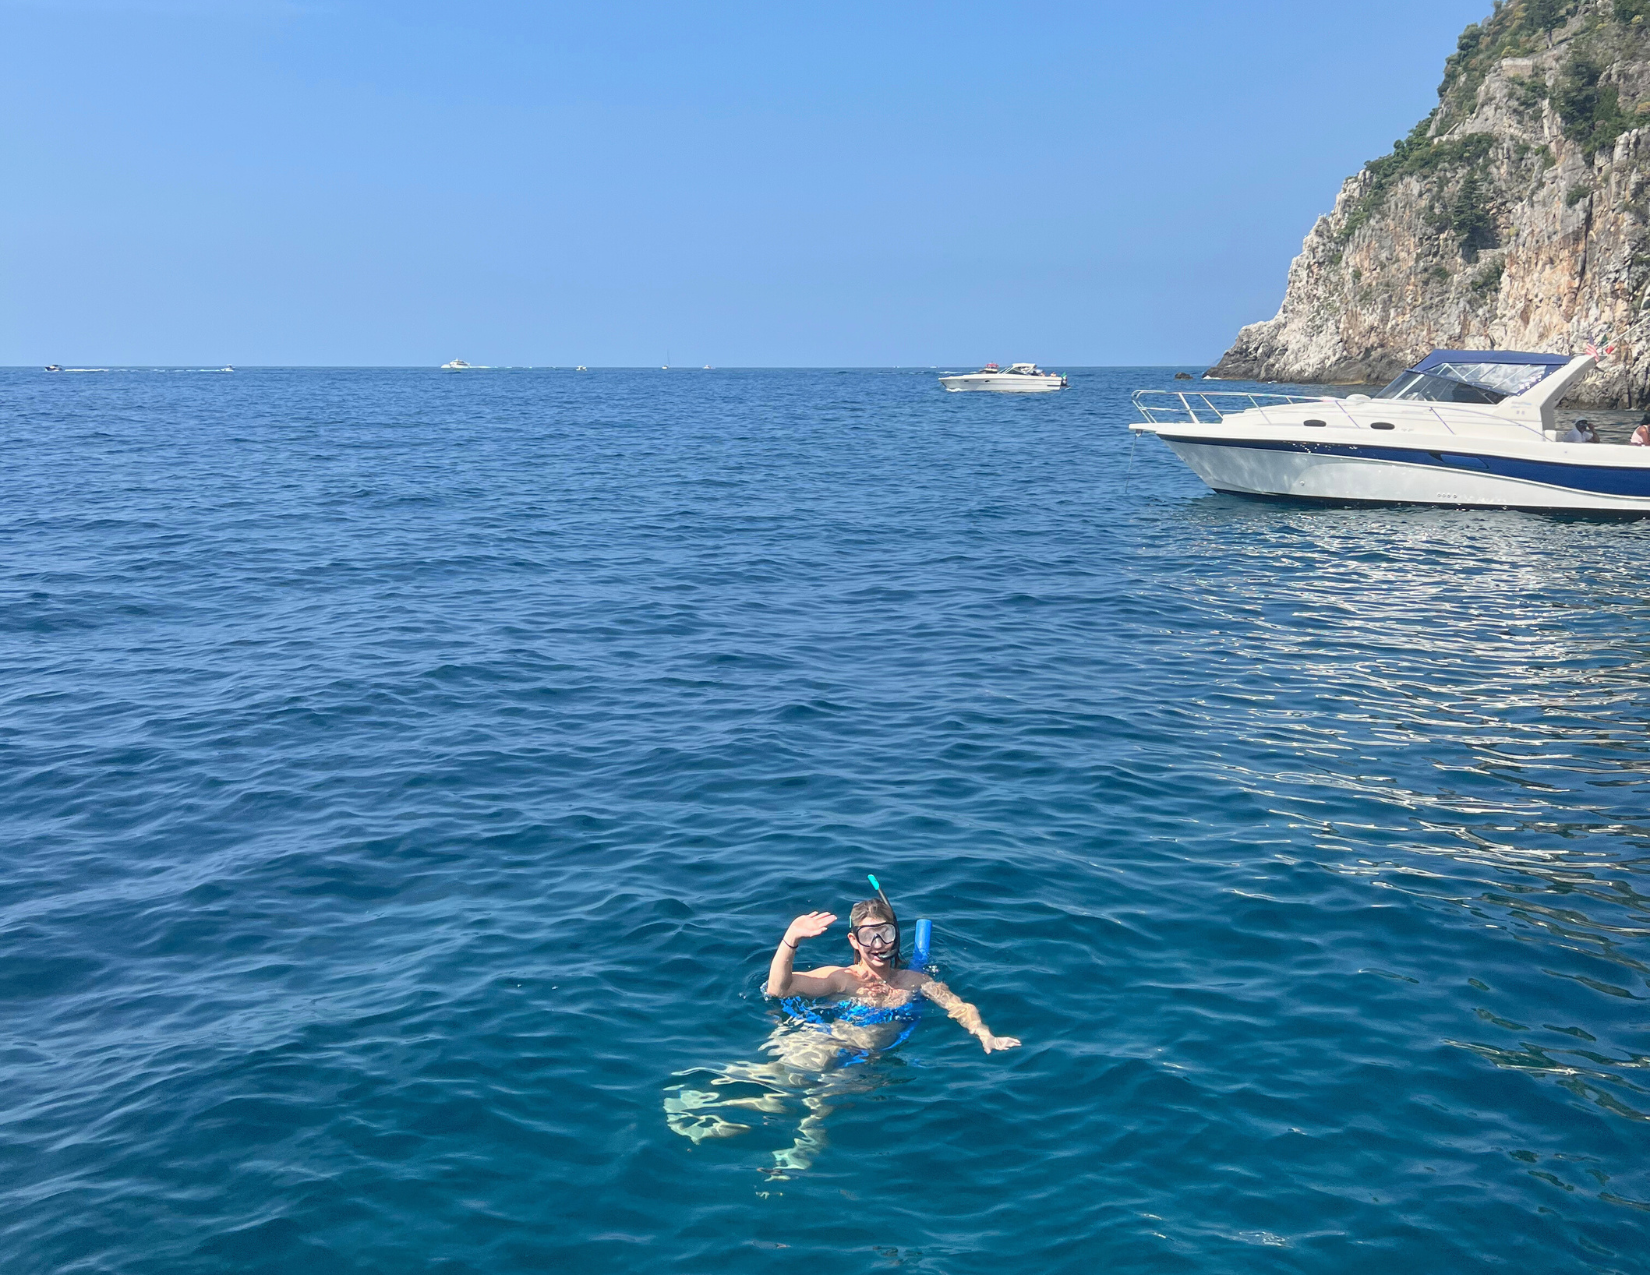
[875, 979]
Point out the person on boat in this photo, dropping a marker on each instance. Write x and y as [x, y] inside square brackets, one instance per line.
[878, 991]
[1582, 432]
[1641, 435]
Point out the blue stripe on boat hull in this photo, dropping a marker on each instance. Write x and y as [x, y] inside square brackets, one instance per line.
[1603, 480]
[1352, 502]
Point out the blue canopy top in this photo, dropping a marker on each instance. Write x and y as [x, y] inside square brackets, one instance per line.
[1474, 376]
[1490, 356]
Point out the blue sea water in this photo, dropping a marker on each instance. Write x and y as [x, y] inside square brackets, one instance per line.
[405, 778]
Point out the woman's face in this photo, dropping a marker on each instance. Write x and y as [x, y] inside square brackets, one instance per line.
[876, 942]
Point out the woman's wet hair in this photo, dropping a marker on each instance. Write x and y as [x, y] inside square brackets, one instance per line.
[870, 911]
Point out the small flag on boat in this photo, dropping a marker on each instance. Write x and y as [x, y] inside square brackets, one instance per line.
[1600, 356]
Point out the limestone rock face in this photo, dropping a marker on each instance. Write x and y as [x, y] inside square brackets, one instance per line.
[1517, 216]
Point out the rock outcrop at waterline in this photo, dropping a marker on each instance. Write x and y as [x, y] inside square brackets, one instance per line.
[1515, 216]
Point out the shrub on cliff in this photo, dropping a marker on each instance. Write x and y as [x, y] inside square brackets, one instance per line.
[1544, 16]
[1469, 217]
[1591, 110]
[1462, 63]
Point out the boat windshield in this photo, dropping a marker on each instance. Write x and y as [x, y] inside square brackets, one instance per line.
[1465, 382]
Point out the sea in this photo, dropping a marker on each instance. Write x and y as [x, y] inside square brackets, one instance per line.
[406, 777]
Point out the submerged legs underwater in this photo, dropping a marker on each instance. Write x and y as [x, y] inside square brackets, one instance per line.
[812, 1068]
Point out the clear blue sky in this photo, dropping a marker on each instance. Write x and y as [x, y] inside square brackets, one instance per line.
[852, 183]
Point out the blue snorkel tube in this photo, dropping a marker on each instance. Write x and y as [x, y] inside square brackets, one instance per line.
[921, 937]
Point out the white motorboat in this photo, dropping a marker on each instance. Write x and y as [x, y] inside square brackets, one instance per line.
[459, 365]
[1464, 428]
[1020, 378]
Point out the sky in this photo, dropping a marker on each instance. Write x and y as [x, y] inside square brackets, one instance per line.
[897, 182]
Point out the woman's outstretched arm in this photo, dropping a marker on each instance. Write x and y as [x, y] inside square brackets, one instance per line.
[967, 1015]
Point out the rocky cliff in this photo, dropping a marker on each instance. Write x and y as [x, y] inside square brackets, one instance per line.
[1515, 216]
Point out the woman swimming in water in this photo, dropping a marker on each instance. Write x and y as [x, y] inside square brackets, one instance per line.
[878, 990]
[815, 1056]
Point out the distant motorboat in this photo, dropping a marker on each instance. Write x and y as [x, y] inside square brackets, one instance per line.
[459, 365]
[53, 367]
[581, 368]
[1020, 378]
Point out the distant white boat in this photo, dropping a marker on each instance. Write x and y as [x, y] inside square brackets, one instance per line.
[1021, 378]
[581, 368]
[459, 365]
[53, 367]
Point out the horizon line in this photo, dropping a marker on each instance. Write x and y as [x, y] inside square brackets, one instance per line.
[201, 366]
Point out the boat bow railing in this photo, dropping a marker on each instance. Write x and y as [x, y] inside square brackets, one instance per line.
[1200, 407]
[1210, 408]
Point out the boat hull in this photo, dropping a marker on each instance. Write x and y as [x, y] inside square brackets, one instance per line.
[1350, 473]
[1004, 384]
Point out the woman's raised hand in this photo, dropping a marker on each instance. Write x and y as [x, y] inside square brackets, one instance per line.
[809, 925]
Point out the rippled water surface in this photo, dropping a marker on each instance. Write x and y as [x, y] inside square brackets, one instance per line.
[406, 778]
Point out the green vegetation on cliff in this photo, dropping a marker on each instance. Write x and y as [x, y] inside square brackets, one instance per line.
[1513, 30]
[1470, 217]
[1583, 96]
[1419, 155]
[1590, 110]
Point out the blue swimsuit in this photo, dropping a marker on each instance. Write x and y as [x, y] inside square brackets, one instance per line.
[857, 1014]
